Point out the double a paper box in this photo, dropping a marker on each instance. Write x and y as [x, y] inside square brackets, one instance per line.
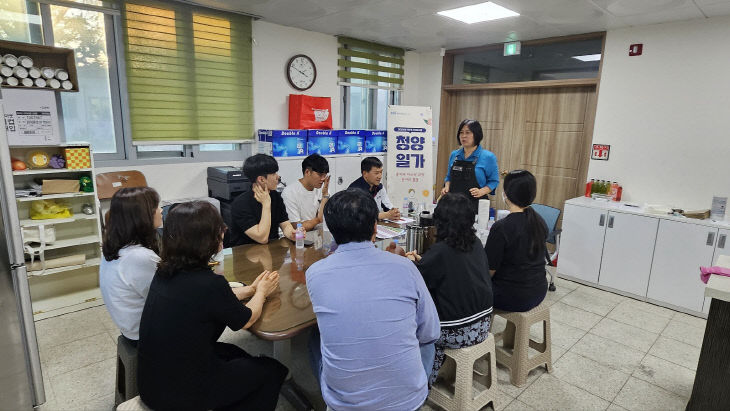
[350, 141]
[375, 141]
[322, 142]
[284, 143]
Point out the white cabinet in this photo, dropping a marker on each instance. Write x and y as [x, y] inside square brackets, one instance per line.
[723, 245]
[581, 242]
[348, 170]
[627, 252]
[681, 248]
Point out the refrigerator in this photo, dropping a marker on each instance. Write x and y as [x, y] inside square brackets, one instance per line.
[21, 380]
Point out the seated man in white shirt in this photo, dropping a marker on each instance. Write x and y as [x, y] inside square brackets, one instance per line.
[305, 198]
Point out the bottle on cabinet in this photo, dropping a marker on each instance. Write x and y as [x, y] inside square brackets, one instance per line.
[612, 189]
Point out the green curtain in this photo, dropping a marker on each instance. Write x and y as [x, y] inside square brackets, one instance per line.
[372, 62]
[189, 73]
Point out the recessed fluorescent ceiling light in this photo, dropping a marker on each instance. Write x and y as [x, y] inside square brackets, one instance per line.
[479, 12]
[588, 57]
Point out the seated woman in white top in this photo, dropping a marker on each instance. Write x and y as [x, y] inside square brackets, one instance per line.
[130, 260]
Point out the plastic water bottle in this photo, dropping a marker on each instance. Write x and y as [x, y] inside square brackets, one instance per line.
[404, 210]
[299, 236]
[490, 223]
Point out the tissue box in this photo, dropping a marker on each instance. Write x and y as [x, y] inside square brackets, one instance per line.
[77, 158]
[350, 141]
[322, 142]
[375, 141]
[284, 143]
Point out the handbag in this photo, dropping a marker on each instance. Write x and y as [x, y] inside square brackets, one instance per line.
[308, 112]
[39, 234]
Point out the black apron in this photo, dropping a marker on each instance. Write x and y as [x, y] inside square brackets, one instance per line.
[463, 178]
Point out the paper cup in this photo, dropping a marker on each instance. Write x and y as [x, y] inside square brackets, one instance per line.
[34, 72]
[6, 71]
[47, 72]
[40, 82]
[25, 61]
[11, 81]
[61, 74]
[20, 72]
[66, 85]
[27, 82]
[10, 60]
[53, 83]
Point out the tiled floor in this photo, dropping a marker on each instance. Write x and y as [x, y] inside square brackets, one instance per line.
[609, 352]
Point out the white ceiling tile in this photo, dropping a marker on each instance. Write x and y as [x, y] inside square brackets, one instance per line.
[664, 16]
[715, 9]
[623, 8]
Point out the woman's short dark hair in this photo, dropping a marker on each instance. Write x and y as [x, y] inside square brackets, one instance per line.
[520, 188]
[316, 163]
[454, 221]
[259, 165]
[368, 163]
[190, 237]
[475, 128]
[131, 221]
[351, 215]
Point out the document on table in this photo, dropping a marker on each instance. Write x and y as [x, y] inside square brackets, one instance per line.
[403, 220]
[385, 232]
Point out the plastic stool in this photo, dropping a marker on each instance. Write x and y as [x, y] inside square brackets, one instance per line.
[126, 387]
[517, 338]
[467, 380]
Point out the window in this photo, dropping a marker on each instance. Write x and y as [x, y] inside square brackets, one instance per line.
[372, 79]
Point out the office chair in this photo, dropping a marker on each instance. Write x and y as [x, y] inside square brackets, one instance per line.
[550, 215]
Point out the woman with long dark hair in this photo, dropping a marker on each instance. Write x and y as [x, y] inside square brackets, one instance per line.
[455, 272]
[516, 248]
[130, 249]
[181, 364]
[472, 170]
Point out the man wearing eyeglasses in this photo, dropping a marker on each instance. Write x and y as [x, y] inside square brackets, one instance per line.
[305, 198]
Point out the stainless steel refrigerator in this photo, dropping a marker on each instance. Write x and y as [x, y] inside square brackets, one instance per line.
[21, 380]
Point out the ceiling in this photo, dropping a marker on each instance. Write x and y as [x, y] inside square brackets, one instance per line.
[414, 24]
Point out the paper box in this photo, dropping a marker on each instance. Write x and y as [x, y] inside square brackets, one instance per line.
[285, 143]
[350, 141]
[375, 141]
[322, 142]
[60, 186]
[77, 158]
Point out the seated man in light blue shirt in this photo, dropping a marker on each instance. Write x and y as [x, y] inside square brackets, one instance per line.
[374, 313]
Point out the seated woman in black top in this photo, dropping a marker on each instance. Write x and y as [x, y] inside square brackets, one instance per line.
[455, 272]
[181, 366]
[516, 248]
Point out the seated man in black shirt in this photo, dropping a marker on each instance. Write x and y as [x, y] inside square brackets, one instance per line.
[258, 213]
[372, 172]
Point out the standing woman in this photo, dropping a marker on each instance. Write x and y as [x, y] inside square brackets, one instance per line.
[130, 251]
[455, 272]
[181, 364]
[472, 169]
[516, 248]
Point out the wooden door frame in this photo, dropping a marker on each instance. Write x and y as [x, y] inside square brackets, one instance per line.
[448, 90]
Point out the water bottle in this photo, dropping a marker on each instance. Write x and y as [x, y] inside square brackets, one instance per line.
[490, 223]
[404, 210]
[299, 236]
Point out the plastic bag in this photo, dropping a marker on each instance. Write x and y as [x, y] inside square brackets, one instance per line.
[46, 209]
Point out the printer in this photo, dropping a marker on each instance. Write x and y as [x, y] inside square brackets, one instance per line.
[226, 183]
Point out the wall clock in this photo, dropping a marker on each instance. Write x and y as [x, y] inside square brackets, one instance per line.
[301, 72]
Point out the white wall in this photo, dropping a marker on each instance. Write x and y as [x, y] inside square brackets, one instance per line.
[666, 113]
[273, 46]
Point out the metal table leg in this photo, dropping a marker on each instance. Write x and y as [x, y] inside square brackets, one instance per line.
[290, 390]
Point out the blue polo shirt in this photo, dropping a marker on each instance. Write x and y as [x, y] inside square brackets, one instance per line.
[373, 312]
[487, 171]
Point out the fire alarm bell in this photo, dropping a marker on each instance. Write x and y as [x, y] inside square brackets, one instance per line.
[635, 49]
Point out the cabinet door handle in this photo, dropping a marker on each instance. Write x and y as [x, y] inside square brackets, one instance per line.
[610, 222]
[721, 241]
[710, 238]
[339, 180]
[602, 220]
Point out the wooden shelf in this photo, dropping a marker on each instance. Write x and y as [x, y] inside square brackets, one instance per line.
[44, 56]
[49, 171]
[52, 196]
[92, 262]
[32, 223]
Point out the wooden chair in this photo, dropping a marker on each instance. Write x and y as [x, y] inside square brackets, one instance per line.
[109, 183]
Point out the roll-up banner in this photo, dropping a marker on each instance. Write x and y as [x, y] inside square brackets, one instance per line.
[410, 155]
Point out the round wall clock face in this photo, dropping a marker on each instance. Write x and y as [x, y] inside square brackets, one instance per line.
[301, 72]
